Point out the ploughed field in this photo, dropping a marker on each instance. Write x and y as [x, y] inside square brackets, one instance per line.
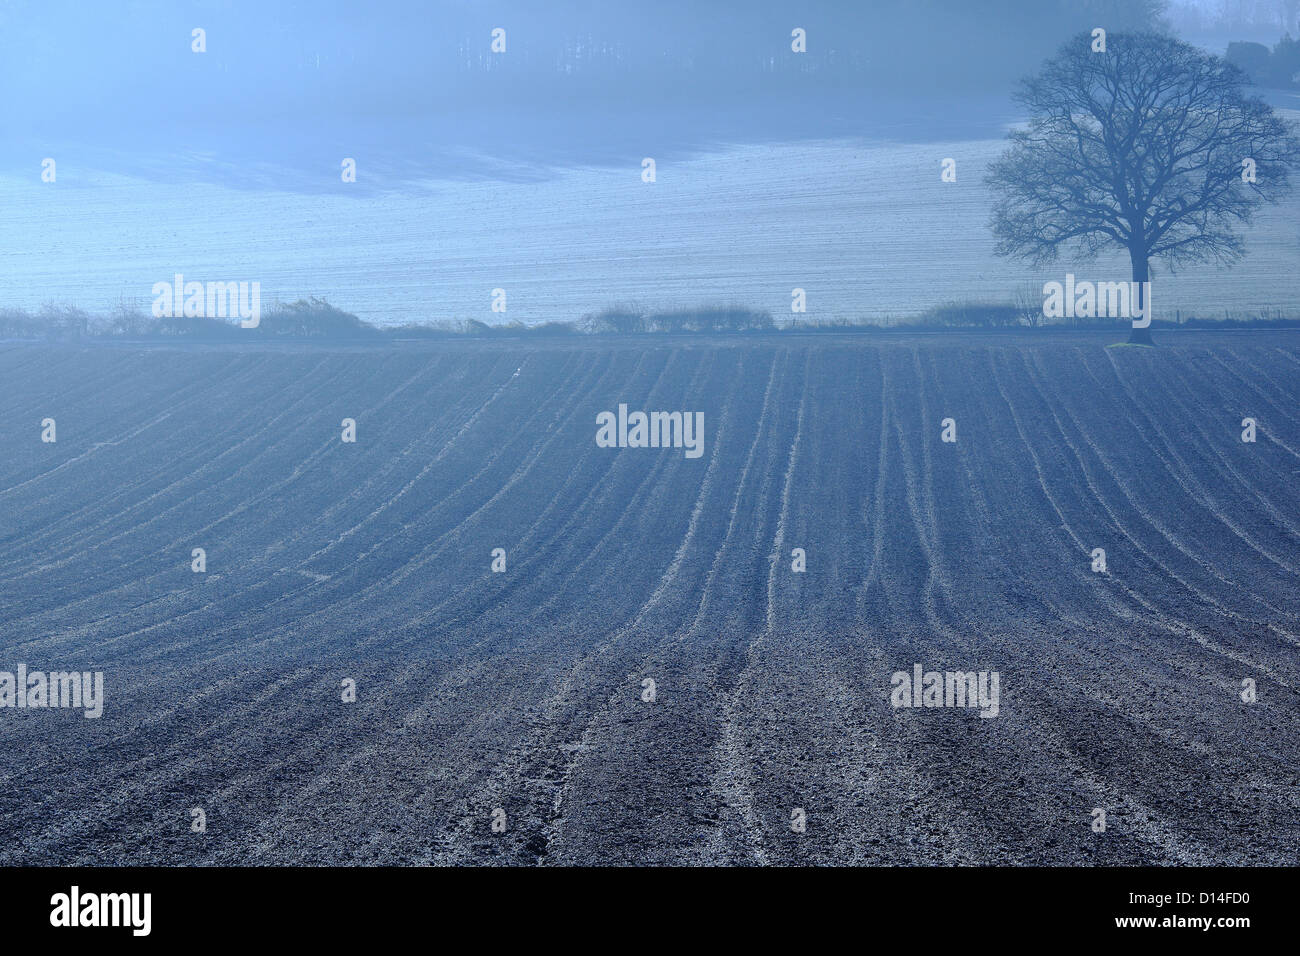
[523, 690]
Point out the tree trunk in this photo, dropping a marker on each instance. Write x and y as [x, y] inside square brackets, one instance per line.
[1141, 276]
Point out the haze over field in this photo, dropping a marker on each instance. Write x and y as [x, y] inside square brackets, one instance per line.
[522, 170]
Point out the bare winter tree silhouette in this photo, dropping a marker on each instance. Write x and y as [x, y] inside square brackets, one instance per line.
[1152, 145]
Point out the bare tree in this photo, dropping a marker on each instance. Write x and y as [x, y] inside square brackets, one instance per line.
[1028, 304]
[1152, 146]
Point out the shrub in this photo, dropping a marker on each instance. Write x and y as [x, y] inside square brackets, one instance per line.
[972, 314]
[312, 318]
[621, 320]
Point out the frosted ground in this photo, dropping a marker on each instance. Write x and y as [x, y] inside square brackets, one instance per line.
[522, 690]
[851, 221]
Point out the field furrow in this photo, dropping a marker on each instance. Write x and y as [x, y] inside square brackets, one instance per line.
[657, 675]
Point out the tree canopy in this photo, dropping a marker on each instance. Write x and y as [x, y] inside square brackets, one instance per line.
[1151, 145]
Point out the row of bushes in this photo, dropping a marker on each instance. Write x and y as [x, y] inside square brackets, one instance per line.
[306, 318]
[317, 319]
[624, 320]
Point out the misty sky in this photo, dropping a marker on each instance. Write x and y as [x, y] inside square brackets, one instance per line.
[409, 81]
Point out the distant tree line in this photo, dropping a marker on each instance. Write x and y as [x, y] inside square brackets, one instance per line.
[315, 319]
[1278, 68]
[708, 319]
[306, 318]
